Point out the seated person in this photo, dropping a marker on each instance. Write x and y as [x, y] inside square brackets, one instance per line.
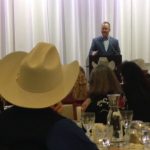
[136, 87]
[79, 92]
[35, 83]
[144, 66]
[102, 82]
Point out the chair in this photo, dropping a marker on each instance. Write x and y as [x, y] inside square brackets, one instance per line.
[67, 111]
[78, 111]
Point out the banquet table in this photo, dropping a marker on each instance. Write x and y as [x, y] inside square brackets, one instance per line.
[131, 146]
[134, 143]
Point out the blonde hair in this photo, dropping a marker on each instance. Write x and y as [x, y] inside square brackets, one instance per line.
[103, 81]
[79, 91]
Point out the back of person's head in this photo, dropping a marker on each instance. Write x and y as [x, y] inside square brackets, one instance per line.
[103, 81]
[36, 79]
[132, 73]
[79, 91]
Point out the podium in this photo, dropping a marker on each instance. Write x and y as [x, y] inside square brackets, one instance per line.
[116, 58]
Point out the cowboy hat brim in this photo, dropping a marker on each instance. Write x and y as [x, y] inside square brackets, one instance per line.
[13, 93]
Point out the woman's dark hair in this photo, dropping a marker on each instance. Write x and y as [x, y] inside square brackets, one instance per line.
[133, 74]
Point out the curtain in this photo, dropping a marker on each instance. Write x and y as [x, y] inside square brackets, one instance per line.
[72, 24]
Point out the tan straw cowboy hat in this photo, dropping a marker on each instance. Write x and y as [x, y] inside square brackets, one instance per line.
[104, 61]
[141, 63]
[36, 79]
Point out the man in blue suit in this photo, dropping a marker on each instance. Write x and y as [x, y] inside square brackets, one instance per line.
[105, 45]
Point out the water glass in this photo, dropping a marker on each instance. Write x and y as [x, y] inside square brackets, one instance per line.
[87, 121]
[102, 135]
[145, 135]
[127, 116]
[135, 131]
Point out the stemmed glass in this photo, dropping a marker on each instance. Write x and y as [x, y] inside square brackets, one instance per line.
[127, 116]
[87, 121]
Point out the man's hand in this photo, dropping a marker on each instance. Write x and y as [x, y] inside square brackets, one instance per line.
[94, 53]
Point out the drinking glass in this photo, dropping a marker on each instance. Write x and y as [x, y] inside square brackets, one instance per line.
[127, 116]
[135, 131]
[87, 121]
[145, 135]
[102, 135]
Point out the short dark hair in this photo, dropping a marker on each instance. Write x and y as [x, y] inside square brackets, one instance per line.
[106, 22]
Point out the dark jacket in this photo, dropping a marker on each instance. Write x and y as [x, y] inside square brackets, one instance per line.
[97, 45]
[40, 129]
[100, 105]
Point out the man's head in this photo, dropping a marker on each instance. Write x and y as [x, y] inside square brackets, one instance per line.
[105, 29]
[36, 79]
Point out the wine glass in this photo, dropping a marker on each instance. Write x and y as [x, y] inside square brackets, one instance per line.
[127, 116]
[87, 121]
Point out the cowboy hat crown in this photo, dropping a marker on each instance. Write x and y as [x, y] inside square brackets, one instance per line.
[36, 79]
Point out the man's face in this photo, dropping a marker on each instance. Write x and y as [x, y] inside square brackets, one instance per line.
[105, 30]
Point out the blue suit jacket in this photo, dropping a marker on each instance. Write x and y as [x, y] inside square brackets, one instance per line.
[97, 45]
